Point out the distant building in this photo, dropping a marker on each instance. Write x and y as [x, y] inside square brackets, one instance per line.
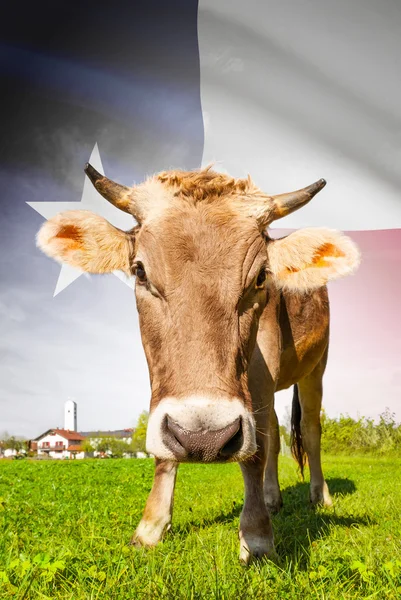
[17, 449]
[67, 443]
[59, 443]
[70, 415]
[120, 434]
[62, 443]
[9, 452]
[95, 437]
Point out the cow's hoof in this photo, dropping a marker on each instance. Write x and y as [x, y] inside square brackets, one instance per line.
[254, 547]
[148, 534]
[320, 496]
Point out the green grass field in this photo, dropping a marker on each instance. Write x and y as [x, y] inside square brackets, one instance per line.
[65, 528]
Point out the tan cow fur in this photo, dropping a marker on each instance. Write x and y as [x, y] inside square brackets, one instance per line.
[207, 330]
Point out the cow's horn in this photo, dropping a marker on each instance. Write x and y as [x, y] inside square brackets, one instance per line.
[119, 195]
[284, 204]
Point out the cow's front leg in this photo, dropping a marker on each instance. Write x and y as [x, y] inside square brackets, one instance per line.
[159, 506]
[255, 532]
[273, 498]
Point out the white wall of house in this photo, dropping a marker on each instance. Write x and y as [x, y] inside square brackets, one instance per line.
[8, 452]
[53, 440]
[56, 454]
[77, 455]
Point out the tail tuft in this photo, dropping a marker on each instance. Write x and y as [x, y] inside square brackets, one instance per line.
[297, 448]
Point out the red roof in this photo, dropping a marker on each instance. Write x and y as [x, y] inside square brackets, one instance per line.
[65, 433]
[69, 435]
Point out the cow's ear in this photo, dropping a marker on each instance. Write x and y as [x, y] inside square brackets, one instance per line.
[86, 241]
[307, 259]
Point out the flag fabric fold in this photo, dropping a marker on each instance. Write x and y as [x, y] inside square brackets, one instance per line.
[288, 92]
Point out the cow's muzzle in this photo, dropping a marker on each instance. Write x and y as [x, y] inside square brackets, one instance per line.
[201, 429]
[204, 445]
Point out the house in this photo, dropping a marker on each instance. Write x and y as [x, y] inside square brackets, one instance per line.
[9, 452]
[12, 448]
[59, 443]
[65, 443]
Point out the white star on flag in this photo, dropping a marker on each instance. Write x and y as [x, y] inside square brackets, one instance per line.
[91, 200]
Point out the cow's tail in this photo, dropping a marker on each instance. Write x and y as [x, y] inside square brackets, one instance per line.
[297, 448]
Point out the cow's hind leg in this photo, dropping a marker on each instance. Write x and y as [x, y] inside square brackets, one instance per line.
[255, 532]
[272, 492]
[310, 401]
[159, 506]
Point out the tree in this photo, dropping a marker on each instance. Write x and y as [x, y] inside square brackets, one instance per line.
[110, 445]
[103, 444]
[286, 420]
[13, 443]
[285, 435]
[118, 447]
[138, 443]
[87, 446]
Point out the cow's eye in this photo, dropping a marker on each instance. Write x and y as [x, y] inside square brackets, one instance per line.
[261, 278]
[140, 273]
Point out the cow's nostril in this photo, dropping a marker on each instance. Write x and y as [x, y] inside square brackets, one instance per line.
[177, 432]
[171, 438]
[234, 444]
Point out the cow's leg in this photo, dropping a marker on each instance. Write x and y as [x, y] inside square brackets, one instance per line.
[255, 532]
[159, 506]
[310, 396]
[272, 492]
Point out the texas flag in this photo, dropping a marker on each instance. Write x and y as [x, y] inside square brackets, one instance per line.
[287, 91]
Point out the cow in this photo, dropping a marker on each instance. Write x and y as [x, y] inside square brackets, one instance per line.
[228, 316]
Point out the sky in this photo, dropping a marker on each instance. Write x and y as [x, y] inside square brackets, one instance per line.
[288, 91]
[296, 90]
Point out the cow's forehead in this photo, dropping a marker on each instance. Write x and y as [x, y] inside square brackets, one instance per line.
[207, 235]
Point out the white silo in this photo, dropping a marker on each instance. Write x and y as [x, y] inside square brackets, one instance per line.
[70, 415]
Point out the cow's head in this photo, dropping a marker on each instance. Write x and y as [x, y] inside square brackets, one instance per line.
[205, 268]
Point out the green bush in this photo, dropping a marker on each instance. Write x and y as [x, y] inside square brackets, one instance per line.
[363, 435]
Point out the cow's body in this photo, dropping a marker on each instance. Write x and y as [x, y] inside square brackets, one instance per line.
[297, 358]
[304, 325]
[228, 316]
